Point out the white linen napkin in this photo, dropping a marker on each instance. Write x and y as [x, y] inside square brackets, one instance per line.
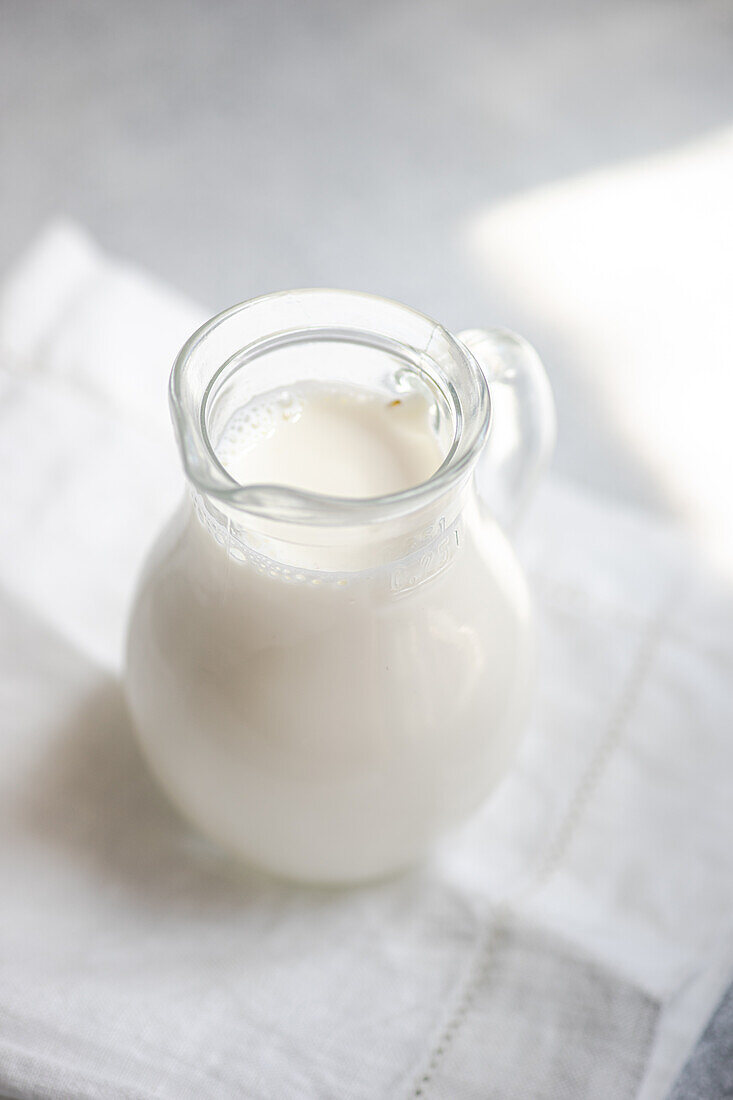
[569, 942]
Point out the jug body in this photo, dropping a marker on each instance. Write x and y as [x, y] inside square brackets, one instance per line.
[330, 729]
[326, 686]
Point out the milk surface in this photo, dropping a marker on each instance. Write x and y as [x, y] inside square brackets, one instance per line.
[334, 440]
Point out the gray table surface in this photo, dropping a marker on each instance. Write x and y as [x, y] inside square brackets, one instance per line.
[235, 148]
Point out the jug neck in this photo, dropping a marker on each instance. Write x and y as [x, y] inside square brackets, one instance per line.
[411, 547]
[325, 336]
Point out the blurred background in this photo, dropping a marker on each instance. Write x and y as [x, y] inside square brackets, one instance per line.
[563, 169]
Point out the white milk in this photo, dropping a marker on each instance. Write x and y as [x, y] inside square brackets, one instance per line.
[336, 440]
[328, 724]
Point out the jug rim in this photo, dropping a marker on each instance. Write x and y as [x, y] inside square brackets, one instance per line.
[321, 314]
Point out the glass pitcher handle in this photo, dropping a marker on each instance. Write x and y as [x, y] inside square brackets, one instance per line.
[522, 434]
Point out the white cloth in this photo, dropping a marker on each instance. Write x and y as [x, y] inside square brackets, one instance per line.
[568, 942]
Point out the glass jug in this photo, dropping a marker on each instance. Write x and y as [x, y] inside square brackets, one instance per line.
[325, 685]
